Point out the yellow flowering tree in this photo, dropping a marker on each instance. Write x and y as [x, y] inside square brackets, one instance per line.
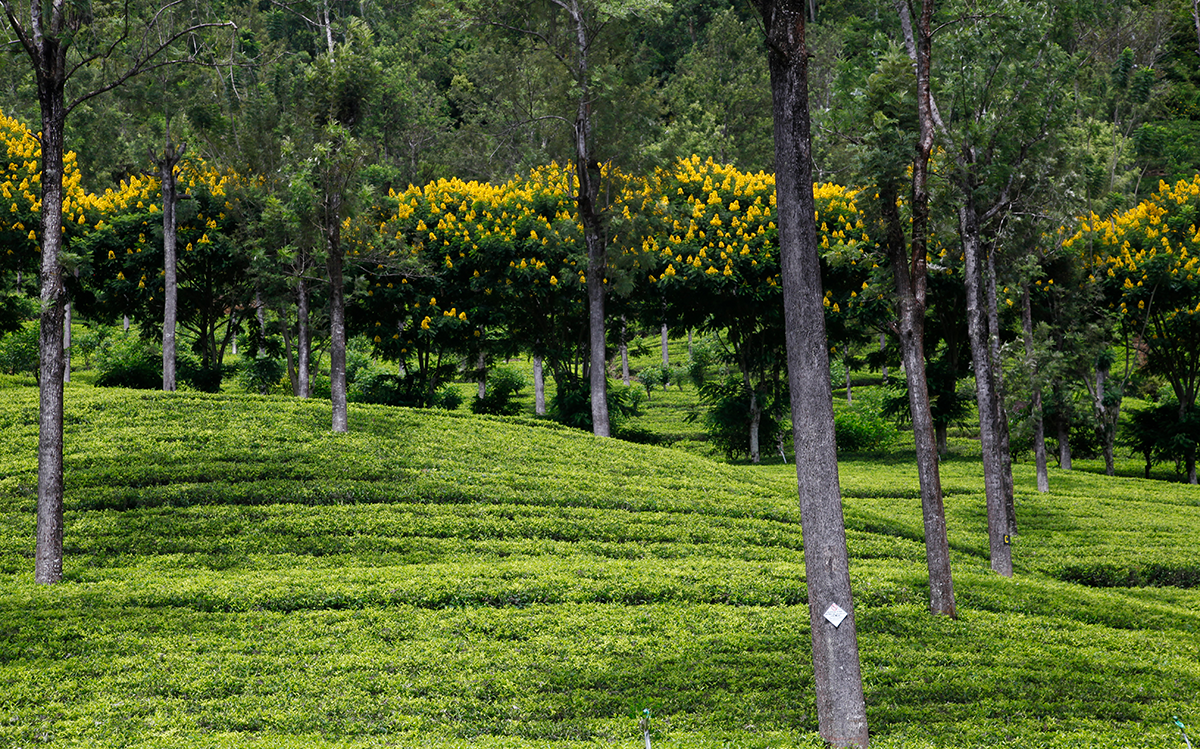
[20, 215]
[1147, 261]
[125, 274]
[715, 263]
[488, 269]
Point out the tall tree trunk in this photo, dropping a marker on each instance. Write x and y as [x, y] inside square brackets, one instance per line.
[481, 371]
[910, 272]
[985, 391]
[48, 563]
[882, 348]
[337, 316]
[624, 353]
[999, 415]
[1039, 425]
[1189, 455]
[289, 352]
[1100, 408]
[755, 418]
[1064, 443]
[539, 387]
[303, 340]
[67, 342]
[841, 709]
[666, 353]
[588, 172]
[166, 173]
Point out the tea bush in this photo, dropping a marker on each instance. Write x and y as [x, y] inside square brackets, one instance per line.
[237, 575]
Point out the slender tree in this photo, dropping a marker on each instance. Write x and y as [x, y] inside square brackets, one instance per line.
[894, 151]
[60, 38]
[166, 164]
[571, 33]
[841, 708]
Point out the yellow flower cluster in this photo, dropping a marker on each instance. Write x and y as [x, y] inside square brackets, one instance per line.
[1147, 258]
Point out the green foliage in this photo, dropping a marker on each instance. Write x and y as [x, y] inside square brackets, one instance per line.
[727, 416]
[862, 427]
[503, 386]
[128, 361]
[19, 352]
[475, 582]
[1161, 433]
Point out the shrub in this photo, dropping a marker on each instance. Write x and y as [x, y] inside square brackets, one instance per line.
[503, 386]
[261, 375]
[727, 418]
[130, 362]
[19, 352]
[199, 377]
[572, 405]
[861, 427]
[652, 377]
[448, 398]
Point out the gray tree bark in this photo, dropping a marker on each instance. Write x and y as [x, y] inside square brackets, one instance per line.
[985, 391]
[303, 339]
[1039, 425]
[539, 387]
[910, 271]
[841, 709]
[666, 354]
[166, 173]
[67, 343]
[48, 561]
[337, 311]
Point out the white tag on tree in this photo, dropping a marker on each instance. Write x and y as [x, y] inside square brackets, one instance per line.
[835, 614]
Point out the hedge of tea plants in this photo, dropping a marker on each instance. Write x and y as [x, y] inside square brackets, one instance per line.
[236, 575]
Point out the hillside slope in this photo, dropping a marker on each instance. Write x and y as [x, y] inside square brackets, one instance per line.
[236, 575]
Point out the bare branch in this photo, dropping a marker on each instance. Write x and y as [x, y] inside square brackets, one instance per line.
[144, 63]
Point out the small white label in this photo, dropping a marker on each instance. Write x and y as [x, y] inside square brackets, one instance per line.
[835, 614]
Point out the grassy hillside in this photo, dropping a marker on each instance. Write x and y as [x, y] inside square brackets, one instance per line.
[238, 576]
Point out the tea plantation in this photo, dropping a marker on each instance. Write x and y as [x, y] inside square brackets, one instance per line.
[238, 576]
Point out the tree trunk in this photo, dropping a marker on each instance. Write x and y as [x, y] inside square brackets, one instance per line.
[910, 271]
[882, 348]
[1064, 443]
[755, 422]
[841, 710]
[289, 353]
[1107, 423]
[1039, 426]
[588, 173]
[539, 387]
[985, 391]
[624, 353]
[67, 342]
[999, 415]
[849, 382]
[166, 172]
[303, 340]
[337, 317]
[481, 369]
[48, 563]
[1189, 455]
[666, 354]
